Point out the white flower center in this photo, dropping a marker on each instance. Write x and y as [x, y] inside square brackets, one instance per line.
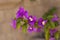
[31, 19]
[43, 22]
[30, 27]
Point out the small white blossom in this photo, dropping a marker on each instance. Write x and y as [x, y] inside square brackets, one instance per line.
[43, 22]
[31, 19]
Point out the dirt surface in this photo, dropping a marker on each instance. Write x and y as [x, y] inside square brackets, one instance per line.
[8, 9]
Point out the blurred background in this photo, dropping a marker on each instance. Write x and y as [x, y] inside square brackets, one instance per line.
[8, 9]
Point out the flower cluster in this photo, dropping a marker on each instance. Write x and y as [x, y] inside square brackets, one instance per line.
[22, 18]
[31, 23]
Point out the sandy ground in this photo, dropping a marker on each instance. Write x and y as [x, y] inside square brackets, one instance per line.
[8, 9]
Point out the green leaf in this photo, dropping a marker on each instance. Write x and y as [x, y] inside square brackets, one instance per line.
[57, 35]
[50, 12]
[47, 25]
[47, 34]
[50, 17]
[56, 23]
[18, 23]
[24, 27]
[18, 20]
[52, 25]
[26, 21]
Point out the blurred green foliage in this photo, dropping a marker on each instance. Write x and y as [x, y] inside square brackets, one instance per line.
[49, 14]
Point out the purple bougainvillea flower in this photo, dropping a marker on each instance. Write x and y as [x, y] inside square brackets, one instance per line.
[14, 23]
[55, 18]
[52, 38]
[42, 22]
[52, 32]
[32, 20]
[21, 13]
[30, 29]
